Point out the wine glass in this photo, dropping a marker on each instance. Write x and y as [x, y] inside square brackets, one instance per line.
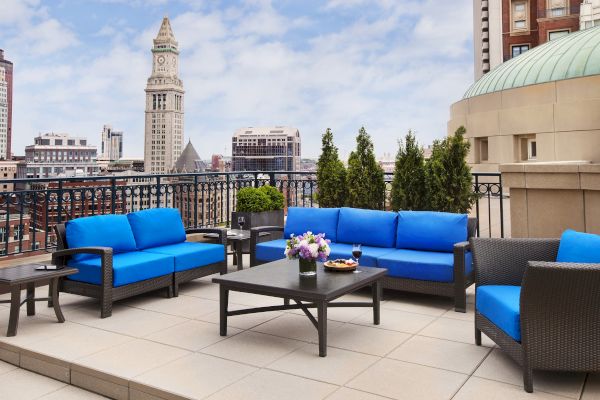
[356, 251]
[241, 222]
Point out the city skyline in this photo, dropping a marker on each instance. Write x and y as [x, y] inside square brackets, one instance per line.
[389, 66]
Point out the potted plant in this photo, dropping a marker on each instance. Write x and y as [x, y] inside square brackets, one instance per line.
[308, 249]
[261, 206]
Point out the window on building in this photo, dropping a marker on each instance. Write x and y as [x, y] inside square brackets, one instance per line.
[18, 232]
[557, 8]
[527, 147]
[483, 149]
[519, 15]
[531, 149]
[557, 34]
[519, 49]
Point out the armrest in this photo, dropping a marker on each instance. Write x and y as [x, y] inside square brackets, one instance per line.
[460, 251]
[219, 231]
[82, 250]
[106, 262]
[559, 312]
[254, 234]
[503, 261]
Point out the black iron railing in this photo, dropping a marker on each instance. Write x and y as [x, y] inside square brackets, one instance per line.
[32, 207]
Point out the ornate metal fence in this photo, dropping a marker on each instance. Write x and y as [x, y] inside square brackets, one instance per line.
[29, 209]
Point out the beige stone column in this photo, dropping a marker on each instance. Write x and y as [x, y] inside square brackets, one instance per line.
[547, 198]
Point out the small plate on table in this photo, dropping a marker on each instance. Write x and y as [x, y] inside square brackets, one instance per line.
[340, 265]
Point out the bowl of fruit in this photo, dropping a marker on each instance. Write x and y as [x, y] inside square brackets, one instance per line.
[340, 264]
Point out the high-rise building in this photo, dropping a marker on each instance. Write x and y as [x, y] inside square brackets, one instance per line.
[58, 154]
[504, 29]
[266, 149]
[112, 144]
[6, 94]
[164, 105]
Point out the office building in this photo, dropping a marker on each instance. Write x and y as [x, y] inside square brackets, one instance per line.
[589, 14]
[112, 144]
[58, 154]
[266, 149]
[163, 142]
[6, 96]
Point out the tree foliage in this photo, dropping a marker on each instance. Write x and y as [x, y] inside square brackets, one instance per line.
[365, 183]
[448, 175]
[331, 174]
[275, 196]
[409, 187]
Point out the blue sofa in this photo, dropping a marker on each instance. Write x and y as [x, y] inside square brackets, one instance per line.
[424, 252]
[537, 299]
[120, 256]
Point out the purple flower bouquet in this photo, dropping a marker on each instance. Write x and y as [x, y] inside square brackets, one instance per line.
[308, 249]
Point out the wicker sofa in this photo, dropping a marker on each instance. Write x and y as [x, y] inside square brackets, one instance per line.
[424, 252]
[120, 256]
[542, 313]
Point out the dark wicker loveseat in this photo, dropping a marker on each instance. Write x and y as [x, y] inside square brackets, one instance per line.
[551, 310]
[420, 254]
[173, 263]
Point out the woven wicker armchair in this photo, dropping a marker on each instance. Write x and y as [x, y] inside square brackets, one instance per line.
[559, 305]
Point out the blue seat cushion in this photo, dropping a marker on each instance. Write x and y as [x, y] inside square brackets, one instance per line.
[190, 255]
[422, 265]
[271, 250]
[500, 304]
[367, 227]
[128, 268]
[157, 227]
[369, 256]
[317, 220]
[430, 230]
[101, 230]
[579, 247]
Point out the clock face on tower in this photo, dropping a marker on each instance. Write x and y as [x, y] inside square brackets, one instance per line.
[161, 59]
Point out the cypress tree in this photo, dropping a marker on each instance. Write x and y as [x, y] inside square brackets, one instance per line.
[409, 188]
[331, 174]
[365, 183]
[448, 175]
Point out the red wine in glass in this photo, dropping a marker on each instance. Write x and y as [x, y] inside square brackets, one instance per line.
[356, 251]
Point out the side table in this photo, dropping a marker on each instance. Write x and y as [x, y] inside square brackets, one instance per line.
[236, 238]
[14, 277]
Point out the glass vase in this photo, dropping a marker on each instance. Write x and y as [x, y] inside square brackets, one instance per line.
[307, 267]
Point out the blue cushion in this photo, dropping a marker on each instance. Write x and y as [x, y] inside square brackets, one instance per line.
[500, 304]
[369, 256]
[367, 227]
[317, 220]
[157, 227]
[101, 230]
[429, 230]
[190, 255]
[422, 265]
[271, 250]
[128, 268]
[579, 247]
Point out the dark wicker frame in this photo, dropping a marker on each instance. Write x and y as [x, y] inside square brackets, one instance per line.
[560, 322]
[105, 292]
[456, 290]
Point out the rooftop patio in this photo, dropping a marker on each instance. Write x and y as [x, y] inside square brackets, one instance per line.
[158, 348]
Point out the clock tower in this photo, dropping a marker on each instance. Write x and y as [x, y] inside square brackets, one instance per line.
[163, 141]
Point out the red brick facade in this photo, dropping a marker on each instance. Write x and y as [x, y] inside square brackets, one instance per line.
[540, 23]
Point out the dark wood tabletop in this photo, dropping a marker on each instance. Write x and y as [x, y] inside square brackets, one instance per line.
[281, 278]
[27, 273]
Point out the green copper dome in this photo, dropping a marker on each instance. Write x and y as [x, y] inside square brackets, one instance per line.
[573, 56]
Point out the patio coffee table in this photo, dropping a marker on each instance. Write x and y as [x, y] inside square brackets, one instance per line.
[281, 279]
[13, 277]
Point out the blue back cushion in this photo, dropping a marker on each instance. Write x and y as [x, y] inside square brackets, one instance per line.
[157, 227]
[430, 230]
[579, 247]
[367, 227]
[317, 220]
[100, 230]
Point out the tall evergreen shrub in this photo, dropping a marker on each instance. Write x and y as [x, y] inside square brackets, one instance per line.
[409, 187]
[365, 183]
[331, 174]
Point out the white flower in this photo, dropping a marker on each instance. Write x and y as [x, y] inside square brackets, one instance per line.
[327, 251]
[314, 250]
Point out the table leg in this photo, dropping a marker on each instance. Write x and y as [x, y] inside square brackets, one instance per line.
[223, 303]
[239, 255]
[30, 299]
[322, 319]
[55, 303]
[376, 289]
[15, 305]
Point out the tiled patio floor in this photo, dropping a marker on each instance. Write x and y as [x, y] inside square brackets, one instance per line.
[158, 348]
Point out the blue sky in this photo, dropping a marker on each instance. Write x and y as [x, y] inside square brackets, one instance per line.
[390, 65]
